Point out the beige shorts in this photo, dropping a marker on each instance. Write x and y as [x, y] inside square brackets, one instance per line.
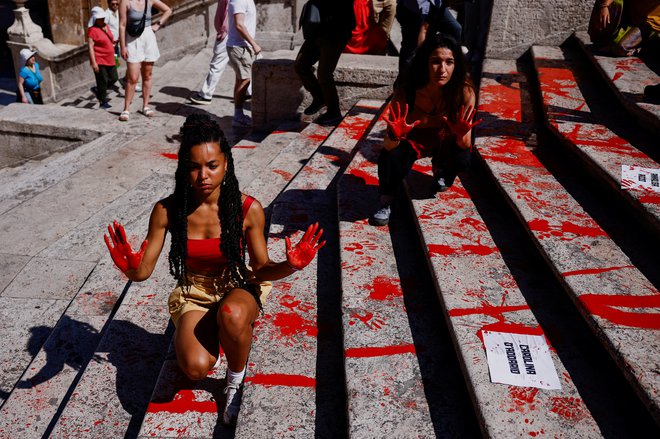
[205, 292]
[143, 48]
[241, 59]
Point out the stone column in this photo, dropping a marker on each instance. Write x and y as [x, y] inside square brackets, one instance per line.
[23, 33]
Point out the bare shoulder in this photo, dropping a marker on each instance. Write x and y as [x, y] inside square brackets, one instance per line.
[161, 212]
[469, 96]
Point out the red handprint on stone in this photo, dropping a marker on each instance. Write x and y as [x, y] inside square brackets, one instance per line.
[396, 122]
[464, 122]
[121, 251]
[302, 254]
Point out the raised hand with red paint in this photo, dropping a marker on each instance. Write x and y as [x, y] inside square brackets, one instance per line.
[398, 128]
[463, 123]
[120, 249]
[301, 255]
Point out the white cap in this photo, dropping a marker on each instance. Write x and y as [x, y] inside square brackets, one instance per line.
[97, 12]
[26, 54]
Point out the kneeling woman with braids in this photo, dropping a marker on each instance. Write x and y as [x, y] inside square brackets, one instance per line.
[217, 298]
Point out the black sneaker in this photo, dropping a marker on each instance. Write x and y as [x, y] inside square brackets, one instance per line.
[105, 105]
[314, 107]
[328, 119]
[199, 99]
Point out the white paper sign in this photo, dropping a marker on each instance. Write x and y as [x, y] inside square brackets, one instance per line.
[520, 360]
[636, 177]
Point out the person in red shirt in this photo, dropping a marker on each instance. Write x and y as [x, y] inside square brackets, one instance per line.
[100, 42]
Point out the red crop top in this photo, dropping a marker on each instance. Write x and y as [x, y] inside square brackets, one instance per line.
[204, 255]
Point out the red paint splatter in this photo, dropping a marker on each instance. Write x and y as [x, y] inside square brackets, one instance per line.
[384, 288]
[317, 137]
[279, 379]
[594, 270]
[284, 174]
[522, 399]
[546, 230]
[501, 100]
[244, 146]
[355, 127]
[603, 305]
[226, 309]
[183, 402]
[171, 156]
[465, 249]
[379, 351]
[650, 198]
[486, 309]
[617, 75]
[291, 324]
[371, 321]
[572, 409]
[369, 179]
[512, 152]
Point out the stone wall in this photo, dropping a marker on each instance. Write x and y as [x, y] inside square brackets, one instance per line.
[517, 24]
[277, 93]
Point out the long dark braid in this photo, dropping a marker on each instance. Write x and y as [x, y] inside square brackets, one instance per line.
[199, 129]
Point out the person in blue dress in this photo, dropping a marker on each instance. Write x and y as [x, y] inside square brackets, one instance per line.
[29, 78]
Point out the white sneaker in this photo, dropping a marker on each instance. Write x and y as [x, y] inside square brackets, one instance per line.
[138, 87]
[382, 215]
[442, 184]
[234, 392]
[241, 121]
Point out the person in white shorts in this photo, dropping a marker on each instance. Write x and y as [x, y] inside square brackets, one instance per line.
[141, 51]
[243, 50]
[220, 57]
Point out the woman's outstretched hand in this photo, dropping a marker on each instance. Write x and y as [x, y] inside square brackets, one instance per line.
[396, 122]
[302, 254]
[463, 123]
[120, 250]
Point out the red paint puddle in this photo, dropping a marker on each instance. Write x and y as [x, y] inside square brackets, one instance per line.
[546, 230]
[604, 305]
[465, 249]
[369, 180]
[183, 402]
[291, 323]
[379, 351]
[384, 288]
[500, 101]
[569, 408]
[171, 156]
[278, 379]
[355, 127]
[594, 270]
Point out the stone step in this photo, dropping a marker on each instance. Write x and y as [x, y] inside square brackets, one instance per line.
[385, 391]
[479, 293]
[627, 78]
[596, 274]
[53, 373]
[569, 117]
[181, 408]
[294, 381]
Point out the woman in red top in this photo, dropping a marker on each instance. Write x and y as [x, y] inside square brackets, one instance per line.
[100, 42]
[212, 224]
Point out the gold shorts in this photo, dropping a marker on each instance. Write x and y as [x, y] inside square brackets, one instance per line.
[207, 291]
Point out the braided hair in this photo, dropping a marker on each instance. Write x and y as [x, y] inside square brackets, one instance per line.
[454, 89]
[197, 129]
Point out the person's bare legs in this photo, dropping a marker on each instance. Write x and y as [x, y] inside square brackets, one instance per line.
[133, 74]
[235, 318]
[196, 343]
[147, 70]
[240, 91]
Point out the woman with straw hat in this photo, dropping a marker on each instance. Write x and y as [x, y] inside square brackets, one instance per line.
[29, 78]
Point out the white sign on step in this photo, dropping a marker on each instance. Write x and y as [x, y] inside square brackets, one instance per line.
[636, 177]
[520, 360]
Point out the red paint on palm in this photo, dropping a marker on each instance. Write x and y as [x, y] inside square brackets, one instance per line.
[384, 288]
[121, 251]
[396, 121]
[607, 307]
[183, 402]
[380, 351]
[304, 252]
[280, 379]
[464, 122]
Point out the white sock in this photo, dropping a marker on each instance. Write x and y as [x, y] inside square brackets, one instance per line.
[235, 377]
[238, 112]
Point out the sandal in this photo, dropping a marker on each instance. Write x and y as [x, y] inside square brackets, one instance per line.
[147, 112]
[124, 116]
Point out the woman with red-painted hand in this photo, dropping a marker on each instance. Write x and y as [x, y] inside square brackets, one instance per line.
[212, 224]
[430, 116]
